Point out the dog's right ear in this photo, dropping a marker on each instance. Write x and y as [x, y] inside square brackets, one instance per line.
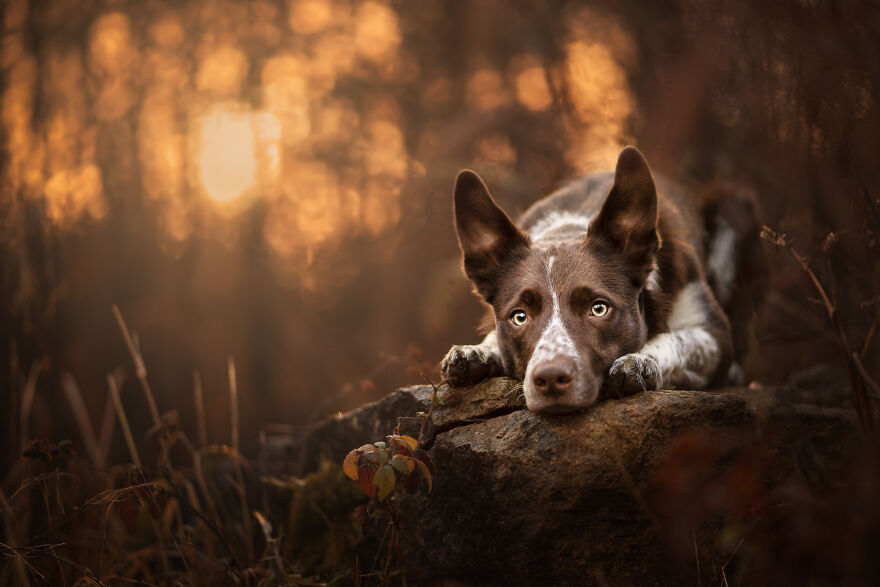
[487, 236]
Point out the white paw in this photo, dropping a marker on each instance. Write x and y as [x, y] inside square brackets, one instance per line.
[633, 373]
[471, 363]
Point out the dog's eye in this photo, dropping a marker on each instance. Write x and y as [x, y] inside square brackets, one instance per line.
[599, 309]
[519, 318]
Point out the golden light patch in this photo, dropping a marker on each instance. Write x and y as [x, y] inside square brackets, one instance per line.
[285, 94]
[161, 146]
[222, 71]
[336, 52]
[385, 153]
[111, 48]
[336, 122]
[530, 82]
[72, 194]
[377, 32]
[167, 32]
[485, 90]
[599, 92]
[24, 147]
[496, 149]
[312, 208]
[112, 59]
[227, 159]
[380, 204]
[165, 70]
[307, 17]
[66, 105]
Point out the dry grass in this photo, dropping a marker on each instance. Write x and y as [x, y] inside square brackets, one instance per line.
[186, 517]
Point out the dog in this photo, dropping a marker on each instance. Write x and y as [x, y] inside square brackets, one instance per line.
[603, 289]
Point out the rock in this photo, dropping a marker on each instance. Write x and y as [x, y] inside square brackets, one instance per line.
[622, 493]
[332, 438]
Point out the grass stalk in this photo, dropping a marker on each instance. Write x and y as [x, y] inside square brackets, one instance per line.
[140, 367]
[81, 415]
[123, 420]
[105, 436]
[201, 428]
[239, 475]
[233, 402]
[10, 537]
[27, 402]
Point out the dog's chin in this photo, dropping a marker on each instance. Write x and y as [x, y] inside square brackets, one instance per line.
[561, 405]
[557, 409]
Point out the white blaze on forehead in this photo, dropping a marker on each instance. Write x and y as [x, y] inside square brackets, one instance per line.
[555, 341]
[558, 219]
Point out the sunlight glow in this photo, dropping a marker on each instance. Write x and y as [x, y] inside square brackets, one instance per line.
[234, 144]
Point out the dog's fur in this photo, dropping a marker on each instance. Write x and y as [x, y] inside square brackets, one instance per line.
[602, 288]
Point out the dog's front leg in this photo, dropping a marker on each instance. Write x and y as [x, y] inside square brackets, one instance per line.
[686, 358]
[471, 363]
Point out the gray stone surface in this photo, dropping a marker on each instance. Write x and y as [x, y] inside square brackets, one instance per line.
[521, 498]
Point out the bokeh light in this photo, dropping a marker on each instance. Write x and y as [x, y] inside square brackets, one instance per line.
[273, 177]
[231, 141]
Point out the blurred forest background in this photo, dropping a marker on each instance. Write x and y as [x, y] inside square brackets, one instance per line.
[270, 180]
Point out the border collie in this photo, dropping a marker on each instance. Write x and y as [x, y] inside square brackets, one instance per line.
[602, 289]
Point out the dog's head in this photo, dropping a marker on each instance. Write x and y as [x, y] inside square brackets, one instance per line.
[564, 309]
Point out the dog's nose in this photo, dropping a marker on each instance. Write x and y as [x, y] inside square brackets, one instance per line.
[553, 378]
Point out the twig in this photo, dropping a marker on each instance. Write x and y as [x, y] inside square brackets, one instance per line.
[869, 381]
[427, 416]
[872, 206]
[379, 550]
[857, 382]
[869, 338]
[392, 548]
[730, 558]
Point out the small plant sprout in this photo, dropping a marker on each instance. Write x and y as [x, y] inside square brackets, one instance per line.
[380, 467]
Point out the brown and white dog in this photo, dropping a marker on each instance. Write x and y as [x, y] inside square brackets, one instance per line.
[601, 290]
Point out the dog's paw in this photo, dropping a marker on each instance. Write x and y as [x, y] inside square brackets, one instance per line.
[471, 363]
[633, 373]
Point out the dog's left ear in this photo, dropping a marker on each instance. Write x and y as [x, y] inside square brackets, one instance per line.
[628, 218]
